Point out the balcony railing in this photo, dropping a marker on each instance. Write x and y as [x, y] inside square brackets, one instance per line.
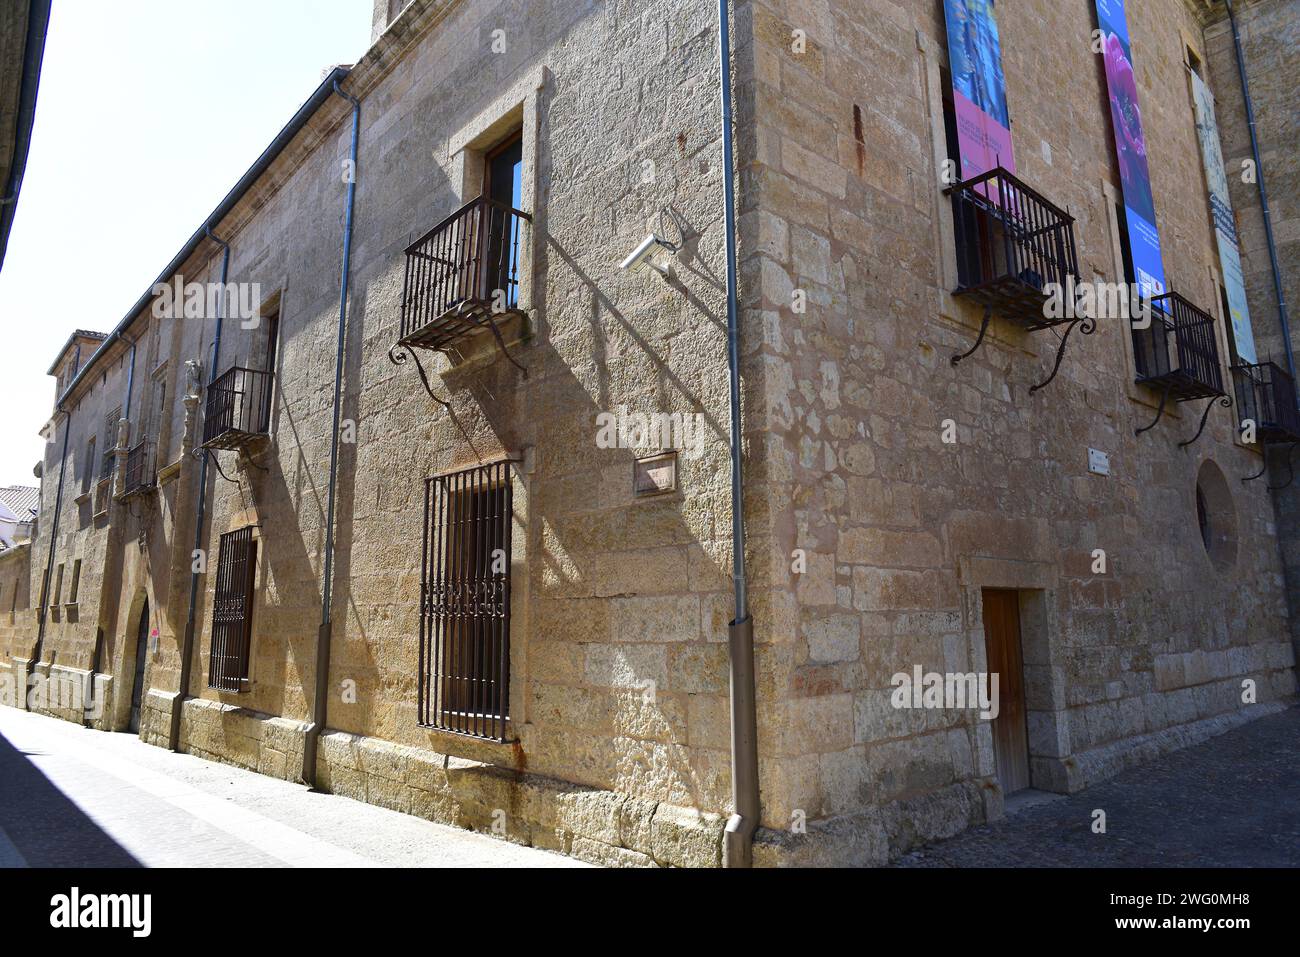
[1177, 353]
[461, 273]
[1266, 396]
[1012, 244]
[238, 408]
[139, 473]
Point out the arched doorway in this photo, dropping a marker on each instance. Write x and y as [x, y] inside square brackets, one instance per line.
[141, 653]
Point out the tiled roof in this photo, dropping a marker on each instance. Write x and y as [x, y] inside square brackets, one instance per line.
[23, 499]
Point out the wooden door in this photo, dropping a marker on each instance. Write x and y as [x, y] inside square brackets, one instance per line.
[1010, 732]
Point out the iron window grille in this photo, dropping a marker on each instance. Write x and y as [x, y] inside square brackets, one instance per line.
[232, 611]
[139, 475]
[238, 408]
[464, 672]
[1177, 353]
[1011, 244]
[461, 273]
[1266, 395]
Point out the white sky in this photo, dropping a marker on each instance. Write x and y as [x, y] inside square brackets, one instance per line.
[149, 112]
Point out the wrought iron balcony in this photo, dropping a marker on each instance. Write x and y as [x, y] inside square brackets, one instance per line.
[1015, 255]
[238, 408]
[1177, 351]
[1177, 354]
[139, 474]
[1266, 396]
[462, 277]
[1012, 246]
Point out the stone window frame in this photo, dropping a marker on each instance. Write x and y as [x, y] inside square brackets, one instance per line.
[515, 110]
[75, 586]
[271, 305]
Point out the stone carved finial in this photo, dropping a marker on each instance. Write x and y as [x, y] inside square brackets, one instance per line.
[193, 375]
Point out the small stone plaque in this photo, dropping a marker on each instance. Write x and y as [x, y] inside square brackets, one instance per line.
[1098, 462]
[655, 475]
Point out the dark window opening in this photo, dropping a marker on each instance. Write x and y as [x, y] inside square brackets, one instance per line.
[1203, 520]
[232, 611]
[503, 184]
[465, 598]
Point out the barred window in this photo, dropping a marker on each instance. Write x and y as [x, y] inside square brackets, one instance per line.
[232, 611]
[465, 602]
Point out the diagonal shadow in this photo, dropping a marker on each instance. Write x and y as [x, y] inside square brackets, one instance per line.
[44, 825]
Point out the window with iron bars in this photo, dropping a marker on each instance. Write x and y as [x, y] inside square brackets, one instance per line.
[232, 610]
[465, 602]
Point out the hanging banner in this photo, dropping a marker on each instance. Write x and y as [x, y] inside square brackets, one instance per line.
[1131, 148]
[978, 87]
[1225, 226]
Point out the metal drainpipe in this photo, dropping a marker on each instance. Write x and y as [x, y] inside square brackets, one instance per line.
[738, 843]
[130, 383]
[187, 644]
[1263, 194]
[54, 535]
[320, 699]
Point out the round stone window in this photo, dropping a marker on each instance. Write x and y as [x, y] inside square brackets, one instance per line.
[1216, 516]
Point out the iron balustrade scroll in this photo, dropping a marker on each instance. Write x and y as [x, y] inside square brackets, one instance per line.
[139, 475]
[464, 670]
[461, 277]
[238, 408]
[232, 608]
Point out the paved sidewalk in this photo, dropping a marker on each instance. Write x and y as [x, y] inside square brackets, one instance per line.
[71, 797]
[1232, 801]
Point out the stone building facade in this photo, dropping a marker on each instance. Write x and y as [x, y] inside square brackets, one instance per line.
[272, 456]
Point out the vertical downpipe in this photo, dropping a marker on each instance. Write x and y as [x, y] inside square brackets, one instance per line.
[738, 846]
[320, 698]
[200, 514]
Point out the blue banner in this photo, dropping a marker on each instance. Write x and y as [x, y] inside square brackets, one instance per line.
[1131, 148]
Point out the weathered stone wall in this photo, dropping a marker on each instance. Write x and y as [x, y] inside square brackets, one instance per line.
[610, 593]
[901, 530]
[869, 538]
[1270, 39]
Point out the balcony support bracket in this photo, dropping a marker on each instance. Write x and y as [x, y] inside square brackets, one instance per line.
[501, 343]
[979, 341]
[1087, 327]
[216, 463]
[398, 355]
[1164, 398]
[1290, 469]
[1223, 400]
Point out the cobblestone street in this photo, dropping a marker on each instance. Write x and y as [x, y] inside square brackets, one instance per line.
[1232, 801]
[71, 797]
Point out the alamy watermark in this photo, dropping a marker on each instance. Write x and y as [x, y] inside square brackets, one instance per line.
[622, 429]
[1097, 300]
[953, 691]
[61, 692]
[207, 300]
